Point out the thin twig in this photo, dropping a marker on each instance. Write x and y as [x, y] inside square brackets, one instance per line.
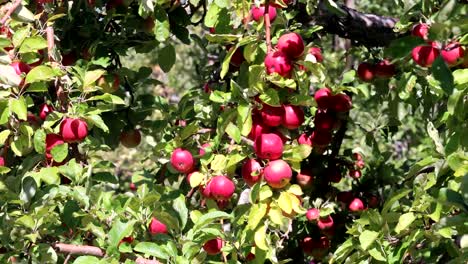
[50, 42]
[10, 11]
[267, 25]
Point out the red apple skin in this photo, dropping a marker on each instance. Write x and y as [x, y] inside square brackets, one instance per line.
[252, 171]
[385, 69]
[182, 160]
[222, 188]
[373, 201]
[45, 110]
[421, 31]
[304, 139]
[322, 97]
[128, 239]
[207, 88]
[305, 178]
[258, 127]
[269, 146]
[424, 55]
[250, 257]
[132, 186]
[356, 205]
[452, 53]
[307, 245]
[355, 174]
[213, 246]
[277, 174]
[258, 13]
[291, 44]
[73, 130]
[325, 222]
[313, 214]
[271, 115]
[130, 138]
[321, 138]
[341, 103]
[344, 197]
[206, 190]
[366, 71]
[237, 58]
[157, 227]
[278, 62]
[20, 67]
[334, 174]
[2, 161]
[52, 140]
[357, 156]
[324, 121]
[68, 59]
[202, 150]
[293, 116]
[317, 52]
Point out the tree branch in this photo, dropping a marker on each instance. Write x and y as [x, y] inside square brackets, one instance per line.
[10, 11]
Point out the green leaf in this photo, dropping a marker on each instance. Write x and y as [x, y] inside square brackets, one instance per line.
[451, 197]
[271, 97]
[220, 97]
[151, 249]
[376, 254]
[434, 134]
[348, 77]
[161, 24]
[86, 260]
[38, 87]
[33, 44]
[28, 189]
[227, 60]
[244, 119]
[72, 170]
[460, 77]
[40, 73]
[401, 47]
[181, 208]
[90, 78]
[209, 218]
[97, 121]
[4, 136]
[59, 152]
[19, 107]
[397, 196]
[212, 15]
[367, 237]
[23, 14]
[49, 175]
[8, 76]
[260, 238]
[40, 141]
[110, 98]
[256, 214]
[342, 252]
[233, 132]
[404, 222]
[167, 57]
[118, 231]
[285, 203]
[443, 75]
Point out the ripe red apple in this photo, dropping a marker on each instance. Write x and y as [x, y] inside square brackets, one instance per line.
[384, 69]
[237, 57]
[258, 127]
[206, 190]
[252, 171]
[305, 178]
[2, 161]
[157, 227]
[340, 103]
[355, 174]
[5, 32]
[452, 53]
[250, 257]
[366, 71]
[424, 55]
[202, 150]
[277, 173]
[271, 115]
[291, 44]
[222, 188]
[52, 140]
[213, 246]
[322, 97]
[345, 197]
[304, 139]
[130, 138]
[45, 110]
[278, 62]
[356, 205]
[73, 130]
[312, 214]
[317, 52]
[324, 121]
[307, 245]
[293, 116]
[321, 138]
[325, 222]
[258, 13]
[109, 83]
[269, 146]
[133, 186]
[182, 160]
[20, 67]
[206, 88]
[421, 30]
[357, 156]
[360, 164]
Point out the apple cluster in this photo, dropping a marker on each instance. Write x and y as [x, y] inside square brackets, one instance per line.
[368, 71]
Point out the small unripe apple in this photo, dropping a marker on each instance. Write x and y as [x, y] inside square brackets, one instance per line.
[317, 52]
[213, 246]
[291, 44]
[321, 138]
[322, 97]
[293, 116]
[258, 127]
[324, 121]
[421, 30]
[45, 110]
[325, 222]
[157, 227]
[304, 139]
[366, 71]
[312, 214]
[268, 146]
[340, 103]
[52, 140]
[355, 174]
[271, 115]
[424, 55]
[356, 205]
[109, 83]
[73, 130]
[278, 62]
[130, 138]
[182, 160]
[222, 188]
[252, 171]
[384, 69]
[20, 67]
[452, 53]
[202, 149]
[305, 178]
[277, 173]
[259, 12]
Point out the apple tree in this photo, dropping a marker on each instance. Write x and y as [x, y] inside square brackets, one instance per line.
[299, 131]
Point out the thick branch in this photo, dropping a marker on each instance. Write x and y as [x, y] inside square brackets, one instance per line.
[365, 29]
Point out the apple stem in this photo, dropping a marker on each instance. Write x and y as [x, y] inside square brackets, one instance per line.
[10, 11]
[50, 41]
[267, 25]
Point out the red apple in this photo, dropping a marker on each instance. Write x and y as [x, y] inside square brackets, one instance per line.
[128, 239]
[258, 127]
[421, 30]
[2, 161]
[324, 121]
[304, 139]
[312, 214]
[293, 116]
[278, 62]
[373, 201]
[133, 186]
[325, 222]
[73, 130]
[222, 188]
[452, 53]
[305, 178]
[322, 97]
[360, 164]
[334, 174]
[5, 32]
[356, 205]
[384, 69]
[424, 55]
[252, 171]
[45, 110]
[355, 174]
[237, 57]
[317, 52]
[20, 67]
[52, 140]
[291, 44]
[258, 13]
[321, 138]
[340, 103]
[206, 88]
[130, 138]
[202, 149]
[250, 257]
[366, 71]
[357, 156]
[344, 197]
[206, 190]
[268, 146]
[307, 245]
[109, 83]
[213, 246]
[271, 115]
[182, 160]
[277, 173]
[157, 227]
